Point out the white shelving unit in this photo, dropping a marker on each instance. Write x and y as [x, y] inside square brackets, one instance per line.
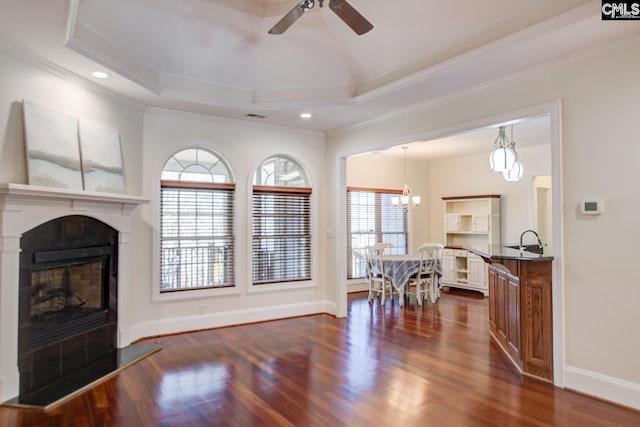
[469, 222]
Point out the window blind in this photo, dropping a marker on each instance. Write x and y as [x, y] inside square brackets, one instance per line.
[281, 234]
[196, 249]
[371, 218]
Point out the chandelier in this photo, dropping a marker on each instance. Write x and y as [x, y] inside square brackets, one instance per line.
[406, 198]
[504, 157]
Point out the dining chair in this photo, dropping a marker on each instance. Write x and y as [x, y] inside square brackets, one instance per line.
[378, 282]
[425, 280]
[384, 246]
[437, 285]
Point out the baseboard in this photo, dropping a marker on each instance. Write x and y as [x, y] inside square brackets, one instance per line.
[9, 384]
[227, 318]
[614, 390]
[357, 287]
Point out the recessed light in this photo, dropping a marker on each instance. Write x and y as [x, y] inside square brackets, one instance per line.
[100, 75]
[305, 115]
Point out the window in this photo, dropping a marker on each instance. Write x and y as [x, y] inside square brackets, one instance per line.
[371, 218]
[196, 222]
[281, 222]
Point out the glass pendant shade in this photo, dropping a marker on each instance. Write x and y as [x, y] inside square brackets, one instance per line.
[502, 159]
[406, 197]
[515, 173]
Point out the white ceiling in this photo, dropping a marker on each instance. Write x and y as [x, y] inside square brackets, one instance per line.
[214, 57]
[529, 132]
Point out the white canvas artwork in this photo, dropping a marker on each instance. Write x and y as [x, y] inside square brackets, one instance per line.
[53, 155]
[101, 157]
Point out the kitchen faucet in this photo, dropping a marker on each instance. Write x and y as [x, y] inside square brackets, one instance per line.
[537, 237]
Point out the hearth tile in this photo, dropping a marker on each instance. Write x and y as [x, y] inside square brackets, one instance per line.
[99, 343]
[25, 361]
[74, 354]
[73, 385]
[24, 311]
[46, 365]
[25, 366]
[24, 339]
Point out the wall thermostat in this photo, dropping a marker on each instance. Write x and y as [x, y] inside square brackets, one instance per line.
[591, 207]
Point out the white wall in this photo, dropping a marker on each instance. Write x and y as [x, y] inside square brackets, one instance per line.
[373, 170]
[23, 81]
[461, 176]
[376, 171]
[471, 175]
[600, 102]
[148, 139]
[244, 146]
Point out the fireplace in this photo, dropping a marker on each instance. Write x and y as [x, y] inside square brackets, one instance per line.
[36, 299]
[64, 296]
[67, 299]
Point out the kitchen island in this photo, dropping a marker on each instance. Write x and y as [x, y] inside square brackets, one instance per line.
[520, 308]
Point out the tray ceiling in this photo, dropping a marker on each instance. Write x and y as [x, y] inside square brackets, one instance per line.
[214, 57]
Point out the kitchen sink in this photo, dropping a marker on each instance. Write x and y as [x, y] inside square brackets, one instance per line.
[529, 248]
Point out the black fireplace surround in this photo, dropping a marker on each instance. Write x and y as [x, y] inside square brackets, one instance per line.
[67, 300]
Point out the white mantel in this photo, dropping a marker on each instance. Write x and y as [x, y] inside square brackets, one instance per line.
[23, 207]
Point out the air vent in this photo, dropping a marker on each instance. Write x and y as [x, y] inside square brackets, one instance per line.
[257, 116]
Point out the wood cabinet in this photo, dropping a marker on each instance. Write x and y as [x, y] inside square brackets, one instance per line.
[504, 310]
[469, 222]
[520, 316]
[537, 339]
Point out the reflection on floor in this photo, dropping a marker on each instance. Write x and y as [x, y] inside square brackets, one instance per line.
[380, 366]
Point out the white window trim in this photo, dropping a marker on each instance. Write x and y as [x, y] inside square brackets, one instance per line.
[188, 294]
[315, 239]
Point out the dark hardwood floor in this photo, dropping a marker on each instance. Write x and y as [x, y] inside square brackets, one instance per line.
[381, 366]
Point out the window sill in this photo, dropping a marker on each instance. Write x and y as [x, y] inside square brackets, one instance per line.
[194, 293]
[281, 286]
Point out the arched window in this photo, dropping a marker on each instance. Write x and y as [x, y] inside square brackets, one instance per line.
[281, 222]
[196, 222]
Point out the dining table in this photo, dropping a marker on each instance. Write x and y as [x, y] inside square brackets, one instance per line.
[400, 268]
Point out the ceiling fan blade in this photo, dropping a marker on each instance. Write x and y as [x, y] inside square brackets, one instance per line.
[350, 16]
[291, 17]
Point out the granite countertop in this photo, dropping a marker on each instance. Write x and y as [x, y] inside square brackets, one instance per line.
[504, 252]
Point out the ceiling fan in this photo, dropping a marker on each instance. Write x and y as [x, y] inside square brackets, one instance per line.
[344, 10]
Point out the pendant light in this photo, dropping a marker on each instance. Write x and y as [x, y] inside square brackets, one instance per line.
[406, 197]
[515, 173]
[503, 155]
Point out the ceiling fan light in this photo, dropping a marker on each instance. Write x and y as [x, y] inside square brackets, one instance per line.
[341, 8]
